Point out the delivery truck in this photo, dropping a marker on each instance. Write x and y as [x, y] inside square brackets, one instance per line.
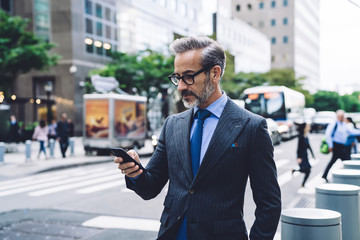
[113, 120]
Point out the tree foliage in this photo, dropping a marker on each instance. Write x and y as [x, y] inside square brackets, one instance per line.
[144, 73]
[326, 101]
[20, 51]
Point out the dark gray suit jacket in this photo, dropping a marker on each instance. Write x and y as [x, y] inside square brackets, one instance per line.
[213, 201]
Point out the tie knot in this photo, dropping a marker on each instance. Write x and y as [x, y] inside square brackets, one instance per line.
[203, 114]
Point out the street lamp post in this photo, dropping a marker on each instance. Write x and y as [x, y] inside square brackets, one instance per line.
[48, 89]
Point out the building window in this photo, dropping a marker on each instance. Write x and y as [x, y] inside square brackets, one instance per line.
[261, 24]
[249, 6]
[173, 5]
[99, 29]
[6, 5]
[285, 21]
[285, 3]
[261, 5]
[42, 19]
[88, 7]
[89, 47]
[115, 34]
[273, 40]
[108, 32]
[238, 8]
[273, 22]
[98, 10]
[163, 3]
[108, 14]
[285, 39]
[273, 4]
[183, 9]
[89, 26]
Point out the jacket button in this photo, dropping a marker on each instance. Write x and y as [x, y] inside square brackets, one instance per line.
[191, 191]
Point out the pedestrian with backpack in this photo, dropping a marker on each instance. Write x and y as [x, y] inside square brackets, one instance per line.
[336, 135]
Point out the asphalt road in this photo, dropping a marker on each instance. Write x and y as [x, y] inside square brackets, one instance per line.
[94, 198]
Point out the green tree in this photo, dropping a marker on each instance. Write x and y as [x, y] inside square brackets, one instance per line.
[326, 101]
[144, 73]
[349, 103]
[20, 51]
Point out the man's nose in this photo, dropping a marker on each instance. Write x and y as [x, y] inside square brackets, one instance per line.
[182, 85]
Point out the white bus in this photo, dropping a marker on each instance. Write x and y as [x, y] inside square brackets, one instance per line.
[279, 103]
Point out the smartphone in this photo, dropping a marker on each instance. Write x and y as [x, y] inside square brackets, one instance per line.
[119, 152]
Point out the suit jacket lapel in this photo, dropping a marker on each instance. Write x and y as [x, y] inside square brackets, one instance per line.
[230, 125]
[183, 153]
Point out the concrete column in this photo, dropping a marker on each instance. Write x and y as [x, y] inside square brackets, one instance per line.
[72, 143]
[352, 164]
[310, 224]
[346, 176]
[343, 198]
[28, 150]
[51, 147]
[2, 152]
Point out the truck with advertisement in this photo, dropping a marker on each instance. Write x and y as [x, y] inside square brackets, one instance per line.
[113, 120]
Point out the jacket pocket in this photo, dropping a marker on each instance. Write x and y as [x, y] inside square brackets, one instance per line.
[165, 215]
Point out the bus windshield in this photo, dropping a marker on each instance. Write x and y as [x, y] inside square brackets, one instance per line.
[268, 104]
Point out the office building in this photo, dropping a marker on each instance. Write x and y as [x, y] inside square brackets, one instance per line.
[85, 31]
[292, 26]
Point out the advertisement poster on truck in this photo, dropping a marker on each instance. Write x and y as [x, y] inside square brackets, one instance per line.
[130, 119]
[97, 118]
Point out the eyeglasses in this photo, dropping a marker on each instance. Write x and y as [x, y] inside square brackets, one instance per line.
[187, 78]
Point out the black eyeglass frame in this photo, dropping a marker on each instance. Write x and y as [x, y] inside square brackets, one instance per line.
[192, 76]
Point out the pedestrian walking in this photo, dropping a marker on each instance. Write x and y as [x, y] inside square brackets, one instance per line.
[302, 151]
[70, 127]
[336, 135]
[351, 140]
[41, 135]
[206, 155]
[62, 132]
[52, 130]
[14, 130]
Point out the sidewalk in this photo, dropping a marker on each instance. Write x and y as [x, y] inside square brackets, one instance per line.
[15, 163]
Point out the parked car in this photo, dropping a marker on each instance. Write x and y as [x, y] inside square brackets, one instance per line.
[321, 120]
[273, 131]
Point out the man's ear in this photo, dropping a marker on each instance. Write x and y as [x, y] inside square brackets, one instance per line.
[216, 73]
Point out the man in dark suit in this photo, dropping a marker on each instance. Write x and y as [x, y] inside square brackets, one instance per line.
[208, 175]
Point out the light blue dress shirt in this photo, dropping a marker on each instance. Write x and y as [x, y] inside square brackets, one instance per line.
[210, 123]
[342, 132]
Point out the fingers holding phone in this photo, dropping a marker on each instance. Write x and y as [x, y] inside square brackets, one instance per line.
[129, 163]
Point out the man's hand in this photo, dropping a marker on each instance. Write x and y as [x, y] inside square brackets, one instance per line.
[299, 160]
[330, 149]
[129, 169]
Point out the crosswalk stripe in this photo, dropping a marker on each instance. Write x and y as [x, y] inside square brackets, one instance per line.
[100, 187]
[74, 185]
[59, 182]
[123, 223]
[30, 178]
[48, 178]
[281, 162]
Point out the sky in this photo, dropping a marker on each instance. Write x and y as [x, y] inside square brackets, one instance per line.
[339, 42]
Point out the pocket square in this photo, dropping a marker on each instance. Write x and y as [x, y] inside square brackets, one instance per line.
[235, 144]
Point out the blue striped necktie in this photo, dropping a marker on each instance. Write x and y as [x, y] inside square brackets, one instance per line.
[196, 140]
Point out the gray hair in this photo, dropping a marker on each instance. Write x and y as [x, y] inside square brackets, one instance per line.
[211, 55]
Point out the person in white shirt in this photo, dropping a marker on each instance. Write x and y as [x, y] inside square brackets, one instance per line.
[336, 135]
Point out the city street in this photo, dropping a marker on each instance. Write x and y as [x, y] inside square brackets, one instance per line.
[98, 193]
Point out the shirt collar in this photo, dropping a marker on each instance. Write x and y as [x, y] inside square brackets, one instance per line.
[216, 107]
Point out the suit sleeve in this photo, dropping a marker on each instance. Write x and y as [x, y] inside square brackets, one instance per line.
[264, 184]
[150, 183]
